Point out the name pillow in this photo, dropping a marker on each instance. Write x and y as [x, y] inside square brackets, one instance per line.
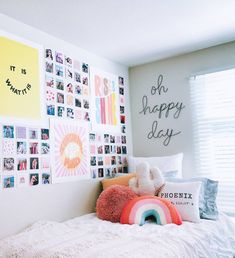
[207, 199]
[171, 166]
[185, 196]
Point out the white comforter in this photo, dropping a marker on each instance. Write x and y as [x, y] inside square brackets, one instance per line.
[87, 236]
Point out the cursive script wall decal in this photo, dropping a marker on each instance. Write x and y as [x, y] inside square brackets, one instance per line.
[171, 109]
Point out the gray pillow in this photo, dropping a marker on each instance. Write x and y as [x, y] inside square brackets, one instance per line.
[207, 199]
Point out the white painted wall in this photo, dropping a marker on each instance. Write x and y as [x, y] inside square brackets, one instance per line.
[21, 207]
[176, 72]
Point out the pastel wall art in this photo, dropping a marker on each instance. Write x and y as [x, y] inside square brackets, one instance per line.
[105, 101]
[20, 92]
[70, 143]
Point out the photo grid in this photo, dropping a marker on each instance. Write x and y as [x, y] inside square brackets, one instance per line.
[67, 86]
[25, 153]
[108, 152]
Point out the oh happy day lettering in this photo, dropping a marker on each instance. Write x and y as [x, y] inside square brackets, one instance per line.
[171, 109]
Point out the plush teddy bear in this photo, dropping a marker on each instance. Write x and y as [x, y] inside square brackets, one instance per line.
[147, 181]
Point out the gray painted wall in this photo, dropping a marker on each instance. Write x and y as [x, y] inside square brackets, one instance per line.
[176, 72]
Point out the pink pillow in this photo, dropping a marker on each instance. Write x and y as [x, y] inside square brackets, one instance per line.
[111, 202]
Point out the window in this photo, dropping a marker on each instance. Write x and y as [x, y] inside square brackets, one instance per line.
[213, 109]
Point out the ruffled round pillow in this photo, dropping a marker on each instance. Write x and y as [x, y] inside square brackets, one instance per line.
[111, 202]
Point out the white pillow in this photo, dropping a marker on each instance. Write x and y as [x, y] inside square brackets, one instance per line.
[169, 165]
[185, 196]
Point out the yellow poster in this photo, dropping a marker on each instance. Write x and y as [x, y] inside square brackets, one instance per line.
[19, 80]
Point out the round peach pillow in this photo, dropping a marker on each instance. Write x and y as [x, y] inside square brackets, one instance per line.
[111, 202]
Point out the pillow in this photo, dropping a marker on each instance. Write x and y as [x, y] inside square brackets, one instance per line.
[185, 196]
[121, 180]
[207, 199]
[169, 165]
[137, 210]
[111, 201]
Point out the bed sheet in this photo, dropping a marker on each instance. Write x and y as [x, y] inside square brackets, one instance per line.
[88, 236]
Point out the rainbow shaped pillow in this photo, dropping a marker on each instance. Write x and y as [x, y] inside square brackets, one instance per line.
[138, 209]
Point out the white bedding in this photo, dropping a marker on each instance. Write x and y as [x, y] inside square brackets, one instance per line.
[87, 236]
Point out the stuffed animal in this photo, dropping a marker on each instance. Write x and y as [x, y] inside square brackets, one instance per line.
[147, 181]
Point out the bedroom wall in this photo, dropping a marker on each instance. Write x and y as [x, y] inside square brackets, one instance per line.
[21, 207]
[175, 89]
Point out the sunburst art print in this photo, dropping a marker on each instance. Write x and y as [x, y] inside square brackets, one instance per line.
[70, 159]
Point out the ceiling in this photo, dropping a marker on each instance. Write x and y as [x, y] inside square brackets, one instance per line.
[130, 32]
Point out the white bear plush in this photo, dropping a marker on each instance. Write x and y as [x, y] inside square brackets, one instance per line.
[147, 181]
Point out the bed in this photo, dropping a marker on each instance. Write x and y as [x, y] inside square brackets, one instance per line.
[88, 236]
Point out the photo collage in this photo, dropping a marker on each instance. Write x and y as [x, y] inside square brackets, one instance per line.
[25, 153]
[66, 86]
[108, 152]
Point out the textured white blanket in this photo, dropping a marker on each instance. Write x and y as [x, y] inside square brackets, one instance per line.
[87, 236]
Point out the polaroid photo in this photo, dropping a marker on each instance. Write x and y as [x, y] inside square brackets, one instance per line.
[100, 161]
[59, 57]
[99, 137]
[78, 103]
[93, 161]
[124, 161]
[59, 70]
[33, 179]
[69, 88]
[78, 89]
[21, 148]
[60, 98]
[125, 170]
[33, 134]
[46, 178]
[121, 81]
[122, 109]
[22, 164]
[49, 67]
[114, 171]
[8, 164]
[100, 149]
[85, 80]
[50, 110]
[59, 84]
[118, 139]
[45, 148]
[86, 103]
[20, 132]
[60, 111]
[121, 91]
[34, 163]
[50, 95]
[112, 149]
[23, 179]
[124, 150]
[92, 149]
[119, 170]
[86, 116]
[45, 162]
[112, 138]
[8, 131]
[122, 99]
[68, 61]
[106, 138]
[69, 74]
[106, 149]
[77, 77]
[107, 172]
[49, 54]
[70, 100]
[100, 172]
[8, 147]
[113, 160]
[49, 81]
[119, 160]
[70, 113]
[123, 129]
[92, 137]
[8, 182]
[94, 173]
[107, 161]
[119, 150]
[85, 67]
[123, 119]
[78, 114]
[76, 65]
[86, 90]
[45, 134]
[123, 139]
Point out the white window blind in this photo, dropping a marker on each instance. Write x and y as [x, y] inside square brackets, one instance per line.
[213, 108]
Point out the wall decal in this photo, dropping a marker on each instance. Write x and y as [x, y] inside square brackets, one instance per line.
[161, 110]
[71, 150]
[20, 91]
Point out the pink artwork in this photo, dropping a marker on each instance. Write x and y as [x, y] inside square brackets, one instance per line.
[71, 151]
